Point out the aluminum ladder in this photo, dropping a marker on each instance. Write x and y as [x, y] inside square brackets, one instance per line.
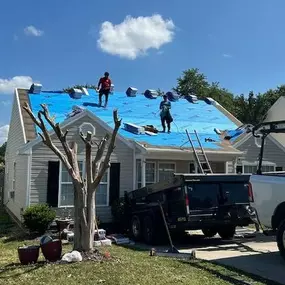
[200, 155]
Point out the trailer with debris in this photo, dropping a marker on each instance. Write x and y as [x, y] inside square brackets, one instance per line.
[215, 203]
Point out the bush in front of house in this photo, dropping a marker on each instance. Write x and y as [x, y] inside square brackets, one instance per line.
[119, 214]
[37, 218]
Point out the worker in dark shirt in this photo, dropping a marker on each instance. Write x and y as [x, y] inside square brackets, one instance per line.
[105, 83]
[165, 115]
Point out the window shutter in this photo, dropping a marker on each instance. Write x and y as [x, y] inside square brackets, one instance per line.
[53, 183]
[114, 190]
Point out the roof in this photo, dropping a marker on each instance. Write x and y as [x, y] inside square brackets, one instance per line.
[141, 111]
[276, 113]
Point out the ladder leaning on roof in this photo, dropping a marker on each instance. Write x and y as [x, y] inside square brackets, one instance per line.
[200, 155]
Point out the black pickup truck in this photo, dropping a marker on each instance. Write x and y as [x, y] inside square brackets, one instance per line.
[215, 203]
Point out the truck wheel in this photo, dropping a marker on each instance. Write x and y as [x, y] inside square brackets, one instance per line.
[148, 230]
[209, 232]
[136, 228]
[227, 232]
[280, 238]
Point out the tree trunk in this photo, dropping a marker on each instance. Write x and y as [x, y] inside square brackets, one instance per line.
[91, 217]
[81, 233]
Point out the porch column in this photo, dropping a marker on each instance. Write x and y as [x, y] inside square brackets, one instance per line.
[235, 165]
[143, 163]
[226, 167]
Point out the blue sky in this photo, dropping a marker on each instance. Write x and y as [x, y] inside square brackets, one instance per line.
[237, 43]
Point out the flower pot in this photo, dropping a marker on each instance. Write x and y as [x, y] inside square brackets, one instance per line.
[28, 254]
[52, 250]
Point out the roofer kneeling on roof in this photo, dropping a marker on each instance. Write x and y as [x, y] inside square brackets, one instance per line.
[105, 89]
[165, 115]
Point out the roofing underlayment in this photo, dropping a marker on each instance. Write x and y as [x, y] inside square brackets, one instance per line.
[141, 111]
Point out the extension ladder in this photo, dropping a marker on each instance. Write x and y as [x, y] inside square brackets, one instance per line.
[200, 155]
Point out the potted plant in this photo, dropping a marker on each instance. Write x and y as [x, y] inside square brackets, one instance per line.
[28, 254]
[52, 250]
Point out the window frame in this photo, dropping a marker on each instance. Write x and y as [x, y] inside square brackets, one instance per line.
[165, 162]
[83, 174]
[138, 162]
[255, 164]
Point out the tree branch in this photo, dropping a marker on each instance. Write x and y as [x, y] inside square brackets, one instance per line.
[106, 163]
[47, 139]
[58, 132]
[99, 155]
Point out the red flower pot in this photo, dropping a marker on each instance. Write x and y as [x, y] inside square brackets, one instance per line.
[52, 250]
[28, 254]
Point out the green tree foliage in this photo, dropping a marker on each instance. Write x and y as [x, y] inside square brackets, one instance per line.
[250, 109]
[2, 153]
[79, 86]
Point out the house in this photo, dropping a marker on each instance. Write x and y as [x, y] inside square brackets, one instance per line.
[274, 147]
[35, 175]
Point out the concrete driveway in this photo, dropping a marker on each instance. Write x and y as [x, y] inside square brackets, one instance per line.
[258, 255]
[252, 253]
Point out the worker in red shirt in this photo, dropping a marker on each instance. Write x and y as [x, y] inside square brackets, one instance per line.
[105, 89]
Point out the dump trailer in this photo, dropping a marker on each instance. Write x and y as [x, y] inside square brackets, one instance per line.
[215, 203]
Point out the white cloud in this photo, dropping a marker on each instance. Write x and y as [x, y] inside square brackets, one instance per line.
[4, 134]
[7, 85]
[33, 31]
[135, 36]
[226, 55]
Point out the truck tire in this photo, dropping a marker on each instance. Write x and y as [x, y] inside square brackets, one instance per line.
[136, 229]
[280, 238]
[148, 230]
[227, 232]
[209, 232]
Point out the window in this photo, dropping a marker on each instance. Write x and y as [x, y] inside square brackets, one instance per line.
[249, 169]
[67, 191]
[150, 173]
[102, 191]
[279, 168]
[165, 171]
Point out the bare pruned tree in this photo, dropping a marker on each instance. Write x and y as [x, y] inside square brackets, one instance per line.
[84, 189]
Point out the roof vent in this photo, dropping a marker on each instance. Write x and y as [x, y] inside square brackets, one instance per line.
[131, 92]
[191, 98]
[210, 101]
[76, 93]
[36, 88]
[172, 96]
[150, 94]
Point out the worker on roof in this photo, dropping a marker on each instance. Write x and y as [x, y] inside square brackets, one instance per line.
[105, 83]
[165, 115]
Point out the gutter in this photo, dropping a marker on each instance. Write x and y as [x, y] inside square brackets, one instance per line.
[159, 150]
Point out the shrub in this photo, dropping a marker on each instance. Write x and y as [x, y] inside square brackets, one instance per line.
[119, 214]
[37, 218]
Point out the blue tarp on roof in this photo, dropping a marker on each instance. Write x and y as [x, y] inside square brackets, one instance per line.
[142, 111]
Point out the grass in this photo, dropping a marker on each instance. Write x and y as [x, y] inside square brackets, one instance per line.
[128, 267]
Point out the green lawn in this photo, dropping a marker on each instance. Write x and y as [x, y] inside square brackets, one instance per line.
[127, 267]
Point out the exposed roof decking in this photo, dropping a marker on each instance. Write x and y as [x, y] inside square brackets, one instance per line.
[29, 126]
